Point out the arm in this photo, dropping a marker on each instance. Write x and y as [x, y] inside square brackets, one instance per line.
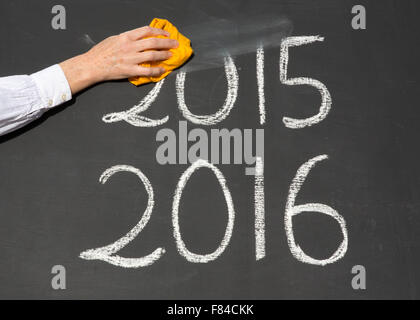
[24, 98]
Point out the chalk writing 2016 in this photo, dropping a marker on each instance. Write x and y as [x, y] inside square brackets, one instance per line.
[107, 253]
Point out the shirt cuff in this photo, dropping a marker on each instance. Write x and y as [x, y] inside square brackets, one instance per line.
[52, 86]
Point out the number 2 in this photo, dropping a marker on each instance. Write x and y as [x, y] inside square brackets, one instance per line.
[107, 253]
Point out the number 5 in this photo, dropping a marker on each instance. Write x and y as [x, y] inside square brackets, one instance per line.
[325, 94]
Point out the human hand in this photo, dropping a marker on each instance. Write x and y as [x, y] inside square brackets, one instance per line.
[119, 57]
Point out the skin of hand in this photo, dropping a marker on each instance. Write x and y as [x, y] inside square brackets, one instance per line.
[118, 57]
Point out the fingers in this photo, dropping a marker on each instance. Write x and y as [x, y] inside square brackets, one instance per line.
[155, 44]
[142, 50]
[147, 31]
[148, 72]
[148, 56]
[151, 56]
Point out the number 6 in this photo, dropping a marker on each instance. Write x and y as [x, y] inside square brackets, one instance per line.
[293, 210]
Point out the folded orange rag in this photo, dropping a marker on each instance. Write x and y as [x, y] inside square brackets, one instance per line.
[179, 55]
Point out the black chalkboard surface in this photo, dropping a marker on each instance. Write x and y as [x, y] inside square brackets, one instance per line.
[53, 206]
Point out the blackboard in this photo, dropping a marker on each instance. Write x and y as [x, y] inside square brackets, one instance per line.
[53, 206]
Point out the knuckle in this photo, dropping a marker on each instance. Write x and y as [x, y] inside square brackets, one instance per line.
[156, 71]
[141, 32]
[150, 55]
[148, 72]
[148, 29]
[124, 42]
[163, 55]
[154, 42]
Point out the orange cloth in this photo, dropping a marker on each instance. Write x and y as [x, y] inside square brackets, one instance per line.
[179, 55]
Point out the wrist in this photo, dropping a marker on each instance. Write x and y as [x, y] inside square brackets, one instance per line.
[79, 73]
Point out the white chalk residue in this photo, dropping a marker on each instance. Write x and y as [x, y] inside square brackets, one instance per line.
[107, 253]
[325, 94]
[232, 93]
[260, 83]
[182, 249]
[259, 200]
[86, 38]
[293, 210]
[133, 117]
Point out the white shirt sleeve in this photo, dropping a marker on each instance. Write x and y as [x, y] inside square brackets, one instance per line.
[24, 98]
